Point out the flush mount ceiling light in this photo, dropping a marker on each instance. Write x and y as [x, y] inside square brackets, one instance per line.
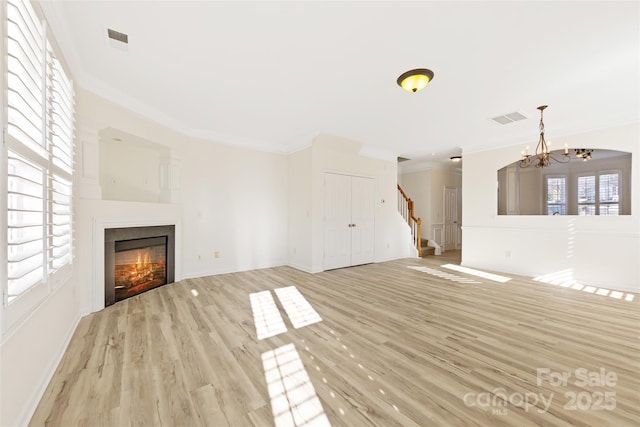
[415, 80]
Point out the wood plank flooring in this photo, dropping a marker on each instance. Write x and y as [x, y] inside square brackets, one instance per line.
[401, 343]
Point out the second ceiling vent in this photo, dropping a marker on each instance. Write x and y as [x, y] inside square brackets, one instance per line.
[509, 118]
[118, 36]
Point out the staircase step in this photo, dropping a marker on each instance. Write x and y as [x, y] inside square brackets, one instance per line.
[426, 249]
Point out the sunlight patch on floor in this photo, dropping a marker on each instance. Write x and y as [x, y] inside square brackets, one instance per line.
[443, 274]
[479, 273]
[293, 399]
[562, 278]
[565, 279]
[266, 316]
[297, 307]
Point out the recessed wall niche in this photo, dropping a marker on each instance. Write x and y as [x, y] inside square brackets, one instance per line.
[599, 186]
[130, 167]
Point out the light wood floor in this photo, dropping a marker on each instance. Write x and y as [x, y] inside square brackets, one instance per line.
[396, 346]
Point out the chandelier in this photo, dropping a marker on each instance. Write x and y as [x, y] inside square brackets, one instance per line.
[542, 157]
[584, 154]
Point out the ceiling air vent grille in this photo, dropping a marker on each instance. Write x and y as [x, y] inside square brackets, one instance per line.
[118, 36]
[509, 118]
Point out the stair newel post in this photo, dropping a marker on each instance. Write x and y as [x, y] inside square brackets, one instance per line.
[418, 237]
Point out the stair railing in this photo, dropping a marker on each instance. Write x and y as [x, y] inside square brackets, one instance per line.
[405, 207]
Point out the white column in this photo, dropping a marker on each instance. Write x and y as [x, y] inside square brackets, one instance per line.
[169, 179]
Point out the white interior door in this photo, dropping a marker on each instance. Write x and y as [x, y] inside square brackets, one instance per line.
[337, 218]
[362, 220]
[450, 218]
[349, 206]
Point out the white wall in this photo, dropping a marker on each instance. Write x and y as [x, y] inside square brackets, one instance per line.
[30, 355]
[300, 215]
[602, 251]
[235, 199]
[531, 192]
[335, 154]
[129, 171]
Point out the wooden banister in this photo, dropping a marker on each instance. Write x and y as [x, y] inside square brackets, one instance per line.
[414, 223]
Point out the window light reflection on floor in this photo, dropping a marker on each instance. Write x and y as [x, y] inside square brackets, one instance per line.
[564, 278]
[443, 274]
[297, 307]
[479, 273]
[293, 399]
[266, 316]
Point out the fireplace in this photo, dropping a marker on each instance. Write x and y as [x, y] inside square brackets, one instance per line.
[137, 259]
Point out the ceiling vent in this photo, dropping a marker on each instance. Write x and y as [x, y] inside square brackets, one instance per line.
[509, 118]
[118, 36]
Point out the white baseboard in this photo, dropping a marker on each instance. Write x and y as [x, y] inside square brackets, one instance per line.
[300, 267]
[218, 271]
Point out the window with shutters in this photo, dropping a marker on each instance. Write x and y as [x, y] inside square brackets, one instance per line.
[599, 193]
[556, 200]
[38, 159]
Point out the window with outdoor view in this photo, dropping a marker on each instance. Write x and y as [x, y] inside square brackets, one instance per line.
[557, 195]
[599, 194]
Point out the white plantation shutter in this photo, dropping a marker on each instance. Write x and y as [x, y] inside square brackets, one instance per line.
[60, 144]
[608, 194]
[60, 114]
[556, 195]
[599, 196]
[60, 225]
[587, 195]
[39, 158]
[25, 76]
[25, 204]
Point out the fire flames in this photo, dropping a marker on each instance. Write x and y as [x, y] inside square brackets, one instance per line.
[141, 269]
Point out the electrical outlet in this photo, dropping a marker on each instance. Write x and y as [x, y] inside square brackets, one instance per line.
[216, 254]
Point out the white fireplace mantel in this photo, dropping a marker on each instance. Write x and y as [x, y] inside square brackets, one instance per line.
[98, 215]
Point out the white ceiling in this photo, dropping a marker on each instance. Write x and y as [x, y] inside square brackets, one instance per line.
[271, 75]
